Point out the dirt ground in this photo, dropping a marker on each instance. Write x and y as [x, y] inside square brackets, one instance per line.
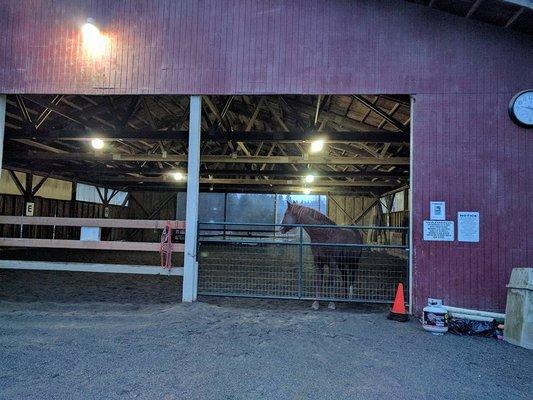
[95, 336]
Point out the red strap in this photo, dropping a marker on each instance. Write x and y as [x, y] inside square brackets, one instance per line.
[165, 250]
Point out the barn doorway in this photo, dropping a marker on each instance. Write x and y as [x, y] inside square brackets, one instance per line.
[345, 156]
[358, 178]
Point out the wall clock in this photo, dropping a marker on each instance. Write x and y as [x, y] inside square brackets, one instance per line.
[521, 109]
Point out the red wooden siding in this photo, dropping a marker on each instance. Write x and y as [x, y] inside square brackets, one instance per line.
[255, 46]
[466, 151]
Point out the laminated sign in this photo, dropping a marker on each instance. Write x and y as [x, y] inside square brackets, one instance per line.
[468, 226]
[437, 210]
[441, 231]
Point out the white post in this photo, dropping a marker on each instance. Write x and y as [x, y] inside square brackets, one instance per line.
[190, 272]
[2, 127]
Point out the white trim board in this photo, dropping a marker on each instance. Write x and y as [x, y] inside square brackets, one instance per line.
[90, 267]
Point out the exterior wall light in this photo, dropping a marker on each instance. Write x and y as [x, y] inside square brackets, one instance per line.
[93, 41]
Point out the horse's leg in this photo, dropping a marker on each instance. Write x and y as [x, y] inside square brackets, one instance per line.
[332, 281]
[353, 269]
[344, 277]
[319, 272]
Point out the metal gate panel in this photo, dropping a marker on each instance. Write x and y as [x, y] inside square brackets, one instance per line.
[250, 261]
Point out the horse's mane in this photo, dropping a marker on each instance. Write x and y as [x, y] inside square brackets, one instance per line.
[321, 218]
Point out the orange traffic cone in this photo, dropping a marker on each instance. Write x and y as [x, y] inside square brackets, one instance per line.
[398, 312]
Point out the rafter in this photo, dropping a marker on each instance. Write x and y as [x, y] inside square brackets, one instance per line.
[147, 171]
[211, 158]
[383, 114]
[246, 136]
[473, 8]
[253, 182]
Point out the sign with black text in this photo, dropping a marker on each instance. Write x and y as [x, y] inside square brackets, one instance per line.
[468, 226]
[440, 231]
[437, 210]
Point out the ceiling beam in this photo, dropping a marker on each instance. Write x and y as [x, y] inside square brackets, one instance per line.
[514, 17]
[101, 170]
[210, 158]
[294, 190]
[382, 113]
[246, 136]
[473, 8]
[237, 182]
[341, 120]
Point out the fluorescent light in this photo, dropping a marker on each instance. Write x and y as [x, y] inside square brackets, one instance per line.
[309, 178]
[317, 145]
[97, 144]
[307, 191]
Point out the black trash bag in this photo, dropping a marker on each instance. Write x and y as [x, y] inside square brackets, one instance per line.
[460, 326]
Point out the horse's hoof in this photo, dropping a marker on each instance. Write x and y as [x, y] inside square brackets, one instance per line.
[331, 305]
[315, 305]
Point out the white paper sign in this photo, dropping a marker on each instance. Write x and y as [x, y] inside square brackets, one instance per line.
[437, 210]
[468, 226]
[441, 231]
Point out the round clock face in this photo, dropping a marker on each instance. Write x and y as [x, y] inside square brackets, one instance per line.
[521, 109]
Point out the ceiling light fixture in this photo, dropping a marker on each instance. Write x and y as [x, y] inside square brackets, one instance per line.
[178, 176]
[317, 145]
[98, 144]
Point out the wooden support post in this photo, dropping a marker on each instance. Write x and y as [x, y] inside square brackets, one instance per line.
[190, 271]
[3, 100]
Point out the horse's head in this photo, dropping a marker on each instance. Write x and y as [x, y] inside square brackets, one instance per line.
[289, 218]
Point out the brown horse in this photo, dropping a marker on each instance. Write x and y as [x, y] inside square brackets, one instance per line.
[344, 258]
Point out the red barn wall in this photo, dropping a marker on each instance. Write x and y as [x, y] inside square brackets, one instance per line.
[462, 73]
[468, 153]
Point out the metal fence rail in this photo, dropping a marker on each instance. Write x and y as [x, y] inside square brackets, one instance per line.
[234, 262]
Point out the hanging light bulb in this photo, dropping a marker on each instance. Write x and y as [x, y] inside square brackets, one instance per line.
[306, 191]
[309, 178]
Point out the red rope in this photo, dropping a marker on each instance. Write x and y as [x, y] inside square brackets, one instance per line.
[166, 247]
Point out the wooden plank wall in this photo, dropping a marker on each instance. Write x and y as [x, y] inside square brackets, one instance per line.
[14, 205]
[468, 153]
[254, 47]
[152, 205]
[343, 209]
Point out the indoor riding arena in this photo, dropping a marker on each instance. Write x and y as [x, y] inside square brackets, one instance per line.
[346, 157]
[223, 199]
